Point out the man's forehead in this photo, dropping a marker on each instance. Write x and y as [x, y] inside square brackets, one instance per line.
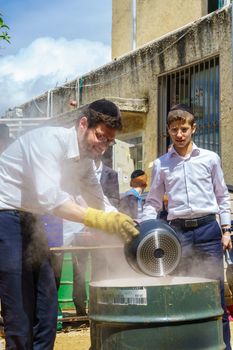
[179, 113]
[179, 123]
[104, 128]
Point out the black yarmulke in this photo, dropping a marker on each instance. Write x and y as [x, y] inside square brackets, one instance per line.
[105, 106]
[137, 173]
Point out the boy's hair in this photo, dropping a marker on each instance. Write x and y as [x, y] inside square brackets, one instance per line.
[180, 112]
[103, 111]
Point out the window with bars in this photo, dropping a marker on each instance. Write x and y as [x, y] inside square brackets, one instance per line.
[198, 87]
[214, 5]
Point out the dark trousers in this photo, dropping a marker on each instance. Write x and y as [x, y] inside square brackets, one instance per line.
[98, 266]
[79, 286]
[80, 260]
[27, 286]
[202, 256]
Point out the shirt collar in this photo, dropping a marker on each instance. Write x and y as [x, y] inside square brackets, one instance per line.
[195, 151]
[135, 192]
[72, 147]
[100, 168]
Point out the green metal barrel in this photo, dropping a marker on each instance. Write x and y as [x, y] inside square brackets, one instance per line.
[147, 313]
[65, 291]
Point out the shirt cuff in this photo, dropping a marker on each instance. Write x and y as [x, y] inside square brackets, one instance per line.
[149, 213]
[225, 219]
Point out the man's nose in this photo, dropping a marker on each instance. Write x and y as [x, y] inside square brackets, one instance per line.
[179, 132]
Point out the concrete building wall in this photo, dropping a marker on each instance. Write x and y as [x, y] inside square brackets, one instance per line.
[134, 77]
[154, 18]
[121, 27]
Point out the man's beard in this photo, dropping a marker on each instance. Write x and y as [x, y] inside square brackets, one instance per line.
[86, 150]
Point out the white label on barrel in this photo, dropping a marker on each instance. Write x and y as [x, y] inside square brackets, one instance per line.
[122, 296]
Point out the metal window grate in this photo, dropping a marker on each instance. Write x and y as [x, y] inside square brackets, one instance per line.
[198, 87]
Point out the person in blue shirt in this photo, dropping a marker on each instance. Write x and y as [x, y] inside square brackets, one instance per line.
[131, 202]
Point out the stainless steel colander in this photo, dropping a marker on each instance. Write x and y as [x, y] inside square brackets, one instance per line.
[156, 251]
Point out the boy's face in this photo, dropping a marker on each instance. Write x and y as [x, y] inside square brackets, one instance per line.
[181, 133]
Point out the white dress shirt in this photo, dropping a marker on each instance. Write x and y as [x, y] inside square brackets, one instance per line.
[194, 184]
[99, 171]
[42, 169]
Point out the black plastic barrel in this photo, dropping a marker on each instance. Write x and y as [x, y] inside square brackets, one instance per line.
[166, 313]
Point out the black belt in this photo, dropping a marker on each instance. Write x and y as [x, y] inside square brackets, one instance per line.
[193, 223]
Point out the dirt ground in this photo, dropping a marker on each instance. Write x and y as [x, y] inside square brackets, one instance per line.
[76, 339]
[73, 339]
[70, 338]
[79, 339]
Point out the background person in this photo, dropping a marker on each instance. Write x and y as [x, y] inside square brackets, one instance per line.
[43, 171]
[108, 178]
[131, 202]
[193, 180]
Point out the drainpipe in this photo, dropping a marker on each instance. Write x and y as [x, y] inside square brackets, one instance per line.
[134, 24]
[77, 92]
[51, 102]
[48, 104]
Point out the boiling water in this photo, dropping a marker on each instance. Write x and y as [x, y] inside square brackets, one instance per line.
[148, 281]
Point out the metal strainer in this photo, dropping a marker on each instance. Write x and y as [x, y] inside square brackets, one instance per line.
[156, 251]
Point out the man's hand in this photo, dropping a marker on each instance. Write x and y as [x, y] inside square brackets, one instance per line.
[226, 241]
[111, 222]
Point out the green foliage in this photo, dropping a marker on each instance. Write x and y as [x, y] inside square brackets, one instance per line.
[4, 30]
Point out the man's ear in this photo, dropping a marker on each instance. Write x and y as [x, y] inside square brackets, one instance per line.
[194, 127]
[83, 124]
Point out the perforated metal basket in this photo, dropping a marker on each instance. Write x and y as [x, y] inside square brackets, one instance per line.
[156, 251]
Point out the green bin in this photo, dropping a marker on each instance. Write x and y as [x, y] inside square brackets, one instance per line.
[65, 291]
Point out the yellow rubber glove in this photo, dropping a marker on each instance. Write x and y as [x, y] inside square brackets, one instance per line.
[111, 222]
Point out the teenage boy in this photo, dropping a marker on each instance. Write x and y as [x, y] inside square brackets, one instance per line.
[193, 180]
